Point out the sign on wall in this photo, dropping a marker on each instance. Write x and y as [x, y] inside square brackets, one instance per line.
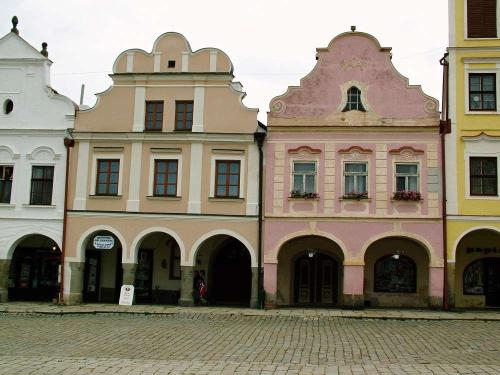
[126, 295]
[104, 242]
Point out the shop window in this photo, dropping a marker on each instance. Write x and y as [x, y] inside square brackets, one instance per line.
[42, 178]
[354, 100]
[6, 172]
[108, 171]
[227, 179]
[483, 176]
[395, 274]
[183, 115]
[154, 115]
[165, 180]
[474, 278]
[304, 178]
[482, 92]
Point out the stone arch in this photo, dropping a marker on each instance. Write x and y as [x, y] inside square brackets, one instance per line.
[27, 233]
[465, 233]
[273, 256]
[82, 241]
[142, 235]
[190, 261]
[431, 254]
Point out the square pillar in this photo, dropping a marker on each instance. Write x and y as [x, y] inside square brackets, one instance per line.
[353, 290]
[4, 279]
[129, 273]
[186, 286]
[451, 284]
[270, 284]
[74, 297]
[436, 279]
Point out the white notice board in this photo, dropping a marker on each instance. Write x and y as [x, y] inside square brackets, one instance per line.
[127, 295]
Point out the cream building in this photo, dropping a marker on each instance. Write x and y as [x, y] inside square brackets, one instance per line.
[164, 182]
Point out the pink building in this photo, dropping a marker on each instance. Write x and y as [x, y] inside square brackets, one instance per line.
[353, 185]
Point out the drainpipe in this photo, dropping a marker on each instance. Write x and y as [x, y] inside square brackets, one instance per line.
[259, 138]
[69, 143]
[444, 128]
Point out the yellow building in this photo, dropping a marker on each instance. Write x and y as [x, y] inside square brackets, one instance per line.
[472, 154]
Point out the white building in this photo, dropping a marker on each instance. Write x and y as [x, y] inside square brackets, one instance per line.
[33, 121]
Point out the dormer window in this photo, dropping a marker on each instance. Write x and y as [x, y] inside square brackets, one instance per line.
[171, 63]
[354, 100]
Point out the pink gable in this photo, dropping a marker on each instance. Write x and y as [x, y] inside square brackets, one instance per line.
[354, 59]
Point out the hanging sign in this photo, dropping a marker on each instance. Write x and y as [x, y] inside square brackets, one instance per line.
[104, 242]
[126, 295]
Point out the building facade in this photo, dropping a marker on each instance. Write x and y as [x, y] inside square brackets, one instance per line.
[33, 123]
[472, 154]
[164, 182]
[353, 200]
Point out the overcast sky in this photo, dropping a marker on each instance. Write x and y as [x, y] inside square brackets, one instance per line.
[272, 43]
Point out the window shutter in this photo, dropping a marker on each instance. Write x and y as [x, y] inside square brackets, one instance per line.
[482, 18]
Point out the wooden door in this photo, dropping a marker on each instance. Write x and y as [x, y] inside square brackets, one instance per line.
[326, 282]
[492, 279]
[144, 276]
[91, 284]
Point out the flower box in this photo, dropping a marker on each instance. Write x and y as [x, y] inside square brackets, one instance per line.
[407, 195]
[356, 195]
[299, 194]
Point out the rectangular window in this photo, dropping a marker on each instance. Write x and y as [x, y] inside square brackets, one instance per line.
[483, 176]
[304, 177]
[165, 182]
[407, 177]
[482, 92]
[108, 171]
[481, 18]
[183, 115]
[356, 175]
[42, 178]
[227, 179]
[6, 172]
[154, 115]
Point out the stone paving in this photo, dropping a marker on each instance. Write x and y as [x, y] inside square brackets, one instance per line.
[192, 341]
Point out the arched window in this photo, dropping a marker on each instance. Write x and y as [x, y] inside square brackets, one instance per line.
[395, 274]
[354, 100]
[474, 278]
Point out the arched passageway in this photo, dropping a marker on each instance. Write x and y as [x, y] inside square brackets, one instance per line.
[226, 264]
[310, 272]
[34, 270]
[396, 273]
[103, 273]
[158, 272]
[477, 269]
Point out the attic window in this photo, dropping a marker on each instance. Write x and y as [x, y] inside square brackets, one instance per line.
[8, 106]
[354, 100]
[171, 63]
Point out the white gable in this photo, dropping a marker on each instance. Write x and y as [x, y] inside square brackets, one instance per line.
[12, 46]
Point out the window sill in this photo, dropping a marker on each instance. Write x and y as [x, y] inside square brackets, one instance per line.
[27, 205]
[165, 198]
[105, 196]
[482, 197]
[481, 112]
[368, 199]
[7, 205]
[406, 200]
[183, 130]
[303, 199]
[226, 199]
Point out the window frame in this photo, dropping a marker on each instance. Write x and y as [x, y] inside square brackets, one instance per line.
[482, 176]
[184, 113]
[358, 104]
[106, 154]
[155, 113]
[166, 184]
[466, 23]
[228, 175]
[3, 168]
[108, 183]
[304, 174]
[43, 180]
[406, 175]
[481, 92]
[221, 155]
[356, 174]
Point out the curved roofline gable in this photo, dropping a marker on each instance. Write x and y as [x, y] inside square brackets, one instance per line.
[277, 105]
[164, 36]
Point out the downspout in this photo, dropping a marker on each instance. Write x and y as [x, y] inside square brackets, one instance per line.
[259, 138]
[69, 143]
[444, 128]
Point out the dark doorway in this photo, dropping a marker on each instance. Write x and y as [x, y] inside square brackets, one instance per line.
[315, 281]
[492, 281]
[231, 275]
[91, 282]
[34, 272]
[144, 276]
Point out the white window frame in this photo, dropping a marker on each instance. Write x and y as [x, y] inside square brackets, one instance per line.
[419, 186]
[367, 174]
[112, 156]
[305, 174]
[2, 164]
[228, 157]
[30, 176]
[468, 195]
[157, 156]
[470, 70]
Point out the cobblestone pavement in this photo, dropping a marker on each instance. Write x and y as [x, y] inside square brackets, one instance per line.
[201, 343]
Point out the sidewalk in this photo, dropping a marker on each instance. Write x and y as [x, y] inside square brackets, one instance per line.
[398, 314]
